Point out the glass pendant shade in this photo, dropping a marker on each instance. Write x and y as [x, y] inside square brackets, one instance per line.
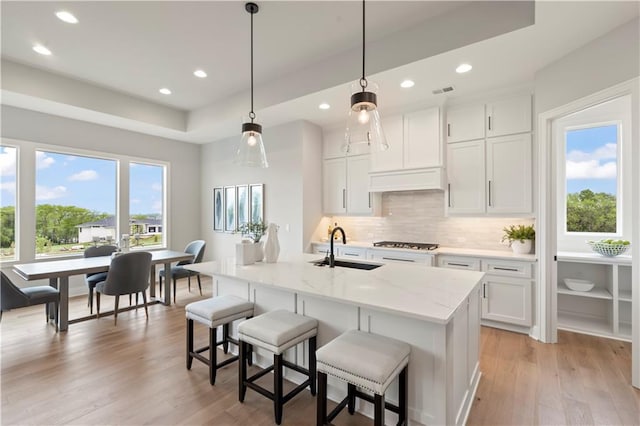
[250, 151]
[363, 124]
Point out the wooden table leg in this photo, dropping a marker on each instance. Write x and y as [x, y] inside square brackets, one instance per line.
[167, 283]
[53, 282]
[64, 303]
[152, 281]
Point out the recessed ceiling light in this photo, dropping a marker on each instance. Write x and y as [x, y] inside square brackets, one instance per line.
[41, 49]
[67, 17]
[200, 73]
[324, 105]
[407, 83]
[165, 91]
[462, 68]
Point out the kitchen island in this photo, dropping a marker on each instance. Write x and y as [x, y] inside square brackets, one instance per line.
[435, 310]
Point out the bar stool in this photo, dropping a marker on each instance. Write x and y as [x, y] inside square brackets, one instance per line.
[215, 312]
[366, 361]
[277, 331]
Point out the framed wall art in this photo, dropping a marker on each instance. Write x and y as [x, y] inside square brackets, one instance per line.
[229, 209]
[242, 201]
[218, 210]
[256, 193]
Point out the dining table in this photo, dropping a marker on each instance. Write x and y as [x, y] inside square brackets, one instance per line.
[59, 271]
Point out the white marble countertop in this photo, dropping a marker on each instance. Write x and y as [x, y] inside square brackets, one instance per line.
[419, 291]
[454, 251]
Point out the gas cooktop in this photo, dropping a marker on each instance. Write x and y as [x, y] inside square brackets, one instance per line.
[401, 244]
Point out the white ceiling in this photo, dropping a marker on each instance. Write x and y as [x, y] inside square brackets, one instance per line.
[305, 52]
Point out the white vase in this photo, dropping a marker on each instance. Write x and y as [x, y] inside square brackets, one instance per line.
[258, 251]
[245, 254]
[272, 245]
[521, 247]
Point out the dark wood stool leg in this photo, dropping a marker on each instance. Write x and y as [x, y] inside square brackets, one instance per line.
[250, 355]
[225, 338]
[351, 393]
[97, 304]
[277, 387]
[321, 410]
[242, 371]
[213, 359]
[378, 410]
[403, 404]
[189, 343]
[312, 365]
[161, 286]
[199, 284]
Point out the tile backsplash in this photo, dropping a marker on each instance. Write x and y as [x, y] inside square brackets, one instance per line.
[418, 216]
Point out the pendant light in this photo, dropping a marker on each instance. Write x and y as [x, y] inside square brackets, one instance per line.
[251, 149]
[363, 124]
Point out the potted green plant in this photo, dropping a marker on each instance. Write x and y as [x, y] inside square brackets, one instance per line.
[520, 238]
[254, 231]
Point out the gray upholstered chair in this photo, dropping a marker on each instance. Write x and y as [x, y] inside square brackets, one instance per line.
[128, 274]
[93, 279]
[12, 297]
[196, 248]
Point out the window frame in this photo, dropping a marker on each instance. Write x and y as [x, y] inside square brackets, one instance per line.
[16, 220]
[165, 198]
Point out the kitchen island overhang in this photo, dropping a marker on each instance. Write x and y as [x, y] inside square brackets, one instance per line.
[436, 310]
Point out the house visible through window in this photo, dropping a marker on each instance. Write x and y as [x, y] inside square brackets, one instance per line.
[8, 160]
[75, 202]
[146, 204]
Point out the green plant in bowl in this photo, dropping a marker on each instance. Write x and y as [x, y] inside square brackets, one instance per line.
[518, 233]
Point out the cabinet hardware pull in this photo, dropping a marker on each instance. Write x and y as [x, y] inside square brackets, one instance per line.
[497, 268]
[401, 260]
[449, 193]
[484, 290]
[489, 193]
[448, 129]
[344, 198]
[350, 254]
[489, 122]
[458, 264]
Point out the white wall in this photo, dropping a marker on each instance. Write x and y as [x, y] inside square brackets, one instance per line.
[292, 185]
[33, 130]
[604, 62]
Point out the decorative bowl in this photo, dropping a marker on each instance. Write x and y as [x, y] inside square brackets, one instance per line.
[608, 249]
[578, 285]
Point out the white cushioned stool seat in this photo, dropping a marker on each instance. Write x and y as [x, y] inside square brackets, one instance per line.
[277, 330]
[363, 359]
[219, 310]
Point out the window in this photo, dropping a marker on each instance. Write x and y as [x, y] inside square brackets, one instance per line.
[146, 204]
[75, 202]
[594, 174]
[592, 179]
[8, 160]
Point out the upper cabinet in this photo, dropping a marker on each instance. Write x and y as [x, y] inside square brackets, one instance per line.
[489, 158]
[465, 123]
[414, 159]
[509, 116]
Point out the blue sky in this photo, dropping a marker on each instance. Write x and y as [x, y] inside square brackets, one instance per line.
[86, 182]
[591, 159]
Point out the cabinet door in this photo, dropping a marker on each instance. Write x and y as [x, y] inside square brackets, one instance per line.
[509, 179]
[391, 159]
[465, 171]
[422, 141]
[465, 122]
[352, 252]
[334, 186]
[358, 195]
[455, 262]
[509, 116]
[507, 300]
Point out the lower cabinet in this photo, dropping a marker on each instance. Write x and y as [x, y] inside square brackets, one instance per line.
[507, 289]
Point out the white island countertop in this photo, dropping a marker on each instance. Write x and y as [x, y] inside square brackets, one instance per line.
[412, 290]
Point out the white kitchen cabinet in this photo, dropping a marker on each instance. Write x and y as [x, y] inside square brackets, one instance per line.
[500, 183]
[605, 310]
[334, 186]
[506, 292]
[509, 178]
[399, 256]
[392, 158]
[346, 186]
[509, 116]
[352, 252]
[465, 122]
[333, 144]
[466, 177]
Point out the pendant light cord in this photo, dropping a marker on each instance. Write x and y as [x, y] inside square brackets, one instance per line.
[252, 114]
[363, 80]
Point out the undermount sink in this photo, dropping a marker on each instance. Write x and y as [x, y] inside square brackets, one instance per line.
[345, 264]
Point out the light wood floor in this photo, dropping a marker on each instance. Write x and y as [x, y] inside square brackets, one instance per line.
[135, 374]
